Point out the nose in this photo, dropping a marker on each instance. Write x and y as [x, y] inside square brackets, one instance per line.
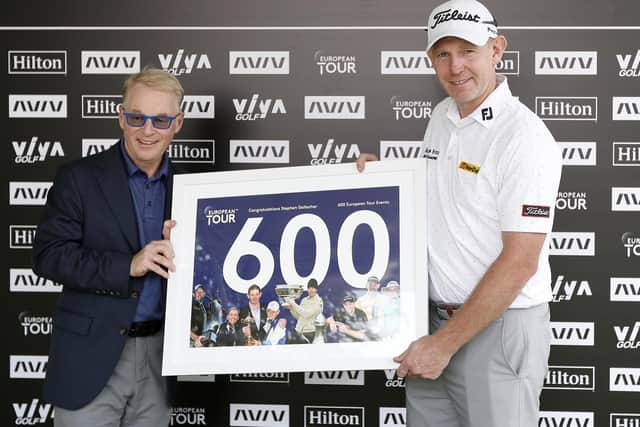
[456, 64]
[148, 128]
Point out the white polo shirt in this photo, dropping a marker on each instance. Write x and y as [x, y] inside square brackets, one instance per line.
[496, 170]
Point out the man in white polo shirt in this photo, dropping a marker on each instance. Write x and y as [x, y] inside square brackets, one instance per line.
[493, 171]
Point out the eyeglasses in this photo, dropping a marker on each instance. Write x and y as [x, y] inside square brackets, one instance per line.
[138, 120]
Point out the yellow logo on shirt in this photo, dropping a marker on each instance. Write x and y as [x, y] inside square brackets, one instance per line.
[469, 167]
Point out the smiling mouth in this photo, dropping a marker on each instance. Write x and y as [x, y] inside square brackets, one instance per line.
[143, 142]
[460, 82]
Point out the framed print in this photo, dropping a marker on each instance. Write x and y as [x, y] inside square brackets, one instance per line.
[310, 268]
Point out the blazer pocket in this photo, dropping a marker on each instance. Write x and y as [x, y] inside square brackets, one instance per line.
[72, 322]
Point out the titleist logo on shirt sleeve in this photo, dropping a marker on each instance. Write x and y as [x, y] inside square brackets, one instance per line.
[455, 15]
[536, 211]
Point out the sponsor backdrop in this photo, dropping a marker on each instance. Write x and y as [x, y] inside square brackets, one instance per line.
[277, 84]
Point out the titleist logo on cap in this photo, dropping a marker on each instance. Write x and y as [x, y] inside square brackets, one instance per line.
[536, 211]
[453, 15]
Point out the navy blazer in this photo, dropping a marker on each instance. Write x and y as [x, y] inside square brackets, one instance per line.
[86, 240]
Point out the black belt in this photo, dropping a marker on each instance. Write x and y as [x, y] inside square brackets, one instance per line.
[145, 329]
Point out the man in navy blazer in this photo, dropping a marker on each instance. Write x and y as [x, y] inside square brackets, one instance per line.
[104, 235]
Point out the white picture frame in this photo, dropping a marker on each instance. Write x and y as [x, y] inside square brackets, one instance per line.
[391, 190]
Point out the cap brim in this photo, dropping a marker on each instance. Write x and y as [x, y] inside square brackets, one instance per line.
[476, 39]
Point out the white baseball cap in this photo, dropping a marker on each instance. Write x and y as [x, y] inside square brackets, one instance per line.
[466, 19]
[273, 305]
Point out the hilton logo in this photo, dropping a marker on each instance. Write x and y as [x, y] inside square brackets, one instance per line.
[192, 151]
[510, 63]
[624, 420]
[37, 62]
[570, 378]
[100, 106]
[333, 416]
[567, 108]
[626, 154]
[268, 377]
[21, 236]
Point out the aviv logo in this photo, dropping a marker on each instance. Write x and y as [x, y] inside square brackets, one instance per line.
[626, 154]
[578, 153]
[100, 106]
[27, 367]
[188, 417]
[576, 244]
[246, 108]
[258, 415]
[392, 380]
[198, 106]
[571, 201]
[334, 107]
[334, 416]
[410, 108]
[179, 63]
[629, 64]
[392, 417]
[572, 333]
[322, 154]
[567, 108]
[625, 199]
[625, 289]
[35, 325]
[32, 413]
[566, 63]
[25, 280]
[38, 106]
[564, 289]
[335, 64]
[510, 63]
[110, 61]
[570, 378]
[35, 151]
[624, 420]
[258, 151]
[91, 146]
[627, 336]
[335, 377]
[626, 108]
[37, 62]
[21, 236]
[405, 62]
[631, 242]
[565, 419]
[401, 150]
[624, 379]
[267, 377]
[24, 193]
[261, 62]
[192, 151]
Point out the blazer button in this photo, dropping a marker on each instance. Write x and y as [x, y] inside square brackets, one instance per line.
[123, 331]
[111, 293]
[135, 294]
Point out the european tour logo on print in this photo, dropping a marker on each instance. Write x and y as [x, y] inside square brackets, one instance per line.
[469, 167]
[536, 211]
